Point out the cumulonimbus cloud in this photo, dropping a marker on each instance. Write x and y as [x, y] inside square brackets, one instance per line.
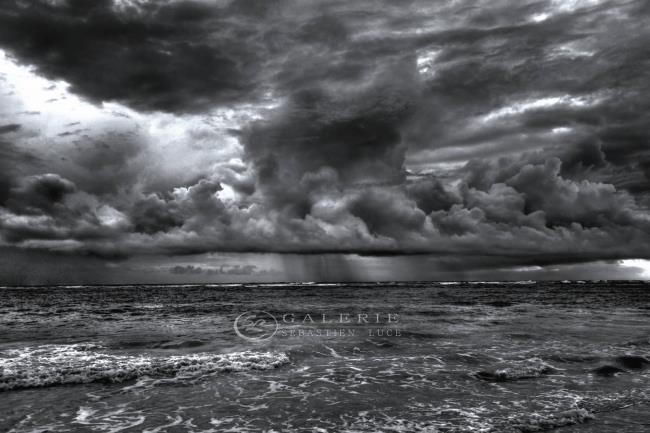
[511, 131]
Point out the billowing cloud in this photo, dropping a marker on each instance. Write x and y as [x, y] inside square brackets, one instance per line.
[513, 132]
[141, 48]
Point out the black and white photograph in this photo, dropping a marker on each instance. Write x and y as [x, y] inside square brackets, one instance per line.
[325, 216]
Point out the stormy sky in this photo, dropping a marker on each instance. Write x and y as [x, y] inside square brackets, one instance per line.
[241, 140]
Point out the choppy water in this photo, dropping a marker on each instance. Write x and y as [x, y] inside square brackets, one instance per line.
[454, 357]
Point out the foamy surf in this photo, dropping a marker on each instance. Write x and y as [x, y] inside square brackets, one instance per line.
[585, 409]
[51, 365]
[527, 369]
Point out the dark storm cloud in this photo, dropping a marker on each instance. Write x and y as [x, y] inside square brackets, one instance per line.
[152, 214]
[324, 136]
[542, 105]
[49, 207]
[187, 56]
[525, 206]
[40, 193]
[173, 56]
[7, 129]
[581, 70]
[430, 194]
[191, 208]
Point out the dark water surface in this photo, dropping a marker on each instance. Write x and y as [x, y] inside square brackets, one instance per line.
[433, 357]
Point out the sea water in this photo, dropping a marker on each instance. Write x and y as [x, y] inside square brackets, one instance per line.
[372, 357]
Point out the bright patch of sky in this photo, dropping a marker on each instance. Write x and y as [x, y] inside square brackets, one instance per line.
[642, 266]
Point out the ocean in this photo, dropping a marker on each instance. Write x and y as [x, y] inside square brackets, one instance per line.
[355, 357]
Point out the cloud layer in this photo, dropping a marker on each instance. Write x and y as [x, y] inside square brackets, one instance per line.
[511, 131]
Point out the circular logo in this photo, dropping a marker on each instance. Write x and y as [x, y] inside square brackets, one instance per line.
[256, 325]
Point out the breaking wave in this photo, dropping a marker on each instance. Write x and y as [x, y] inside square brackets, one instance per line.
[50, 365]
[527, 369]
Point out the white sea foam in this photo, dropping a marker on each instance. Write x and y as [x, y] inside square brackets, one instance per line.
[49, 365]
[529, 368]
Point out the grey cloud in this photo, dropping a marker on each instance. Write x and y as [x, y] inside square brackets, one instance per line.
[565, 201]
[13, 161]
[351, 135]
[522, 208]
[387, 213]
[225, 269]
[152, 214]
[39, 193]
[431, 195]
[49, 207]
[531, 202]
[9, 128]
[191, 208]
[234, 270]
[139, 53]
[575, 54]
[184, 270]
[548, 116]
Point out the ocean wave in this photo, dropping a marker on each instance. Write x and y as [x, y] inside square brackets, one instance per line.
[585, 408]
[624, 364]
[614, 401]
[633, 362]
[472, 422]
[607, 371]
[527, 369]
[573, 358]
[50, 365]
[544, 422]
